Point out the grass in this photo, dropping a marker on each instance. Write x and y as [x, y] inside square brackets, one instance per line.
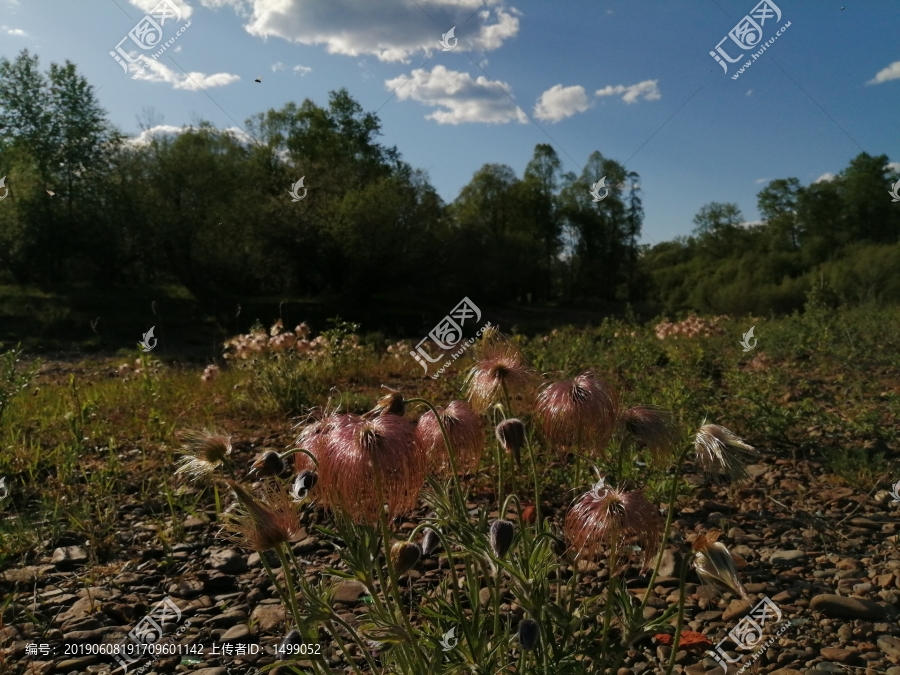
[822, 385]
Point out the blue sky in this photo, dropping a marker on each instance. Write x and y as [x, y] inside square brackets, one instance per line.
[631, 78]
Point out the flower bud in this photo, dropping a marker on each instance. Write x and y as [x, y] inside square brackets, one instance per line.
[430, 542]
[269, 463]
[529, 634]
[292, 638]
[502, 533]
[404, 555]
[511, 434]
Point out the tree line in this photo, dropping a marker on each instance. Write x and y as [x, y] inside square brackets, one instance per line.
[210, 211]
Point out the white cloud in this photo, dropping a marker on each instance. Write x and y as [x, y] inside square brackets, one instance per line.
[168, 130]
[465, 99]
[18, 32]
[749, 92]
[147, 5]
[560, 102]
[892, 72]
[277, 66]
[759, 181]
[894, 166]
[826, 177]
[156, 71]
[649, 89]
[303, 70]
[391, 30]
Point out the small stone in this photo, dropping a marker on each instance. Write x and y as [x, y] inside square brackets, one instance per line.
[186, 588]
[838, 606]
[889, 645]
[787, 558]
[236, 633]
[839, 655]
[786, 671]
[268, 617]
[227, 560]
[209, 671]
[349, 592]
[484, 597]
[736, 609]
[195, 522]
[69, 555]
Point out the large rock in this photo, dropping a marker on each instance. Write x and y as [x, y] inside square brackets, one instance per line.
[840, 607]
[889, 645]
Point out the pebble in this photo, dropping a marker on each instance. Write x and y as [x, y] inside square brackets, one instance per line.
[838, 606]
[787, 558]
[67, 556]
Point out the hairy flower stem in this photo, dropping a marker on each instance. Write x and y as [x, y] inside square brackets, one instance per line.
[289, 582]
[537, 489]
[451, 453]
[500, 493]
[290, 601]
[677, 640]
[337, 638]
[610, 600]
[669, 516]
[395, 586]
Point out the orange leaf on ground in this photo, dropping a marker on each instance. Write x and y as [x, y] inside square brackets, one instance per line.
[688, 639]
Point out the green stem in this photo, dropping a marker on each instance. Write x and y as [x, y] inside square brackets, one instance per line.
[537, 490]
[451, 453]
[337, 638]
[669, 516]
[610, 599]
[677, 640]
[289, 582]
[395, 588]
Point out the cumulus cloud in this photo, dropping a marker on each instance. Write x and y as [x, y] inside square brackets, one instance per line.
[560, 102]
[277, 66]
[892, 72]
[648, 89]
[146, 6]
[18, 32]
[168, 130]
[157, 71]
[894, 166]
[826, 177]
[390, 30]
[464, 99]
[303, 70]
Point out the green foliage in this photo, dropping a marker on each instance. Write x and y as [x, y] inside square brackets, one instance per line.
[13, 378]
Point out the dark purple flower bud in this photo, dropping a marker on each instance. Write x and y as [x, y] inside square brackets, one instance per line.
[502, 533]
[529, 634]
[511, 434]
[430, 542]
